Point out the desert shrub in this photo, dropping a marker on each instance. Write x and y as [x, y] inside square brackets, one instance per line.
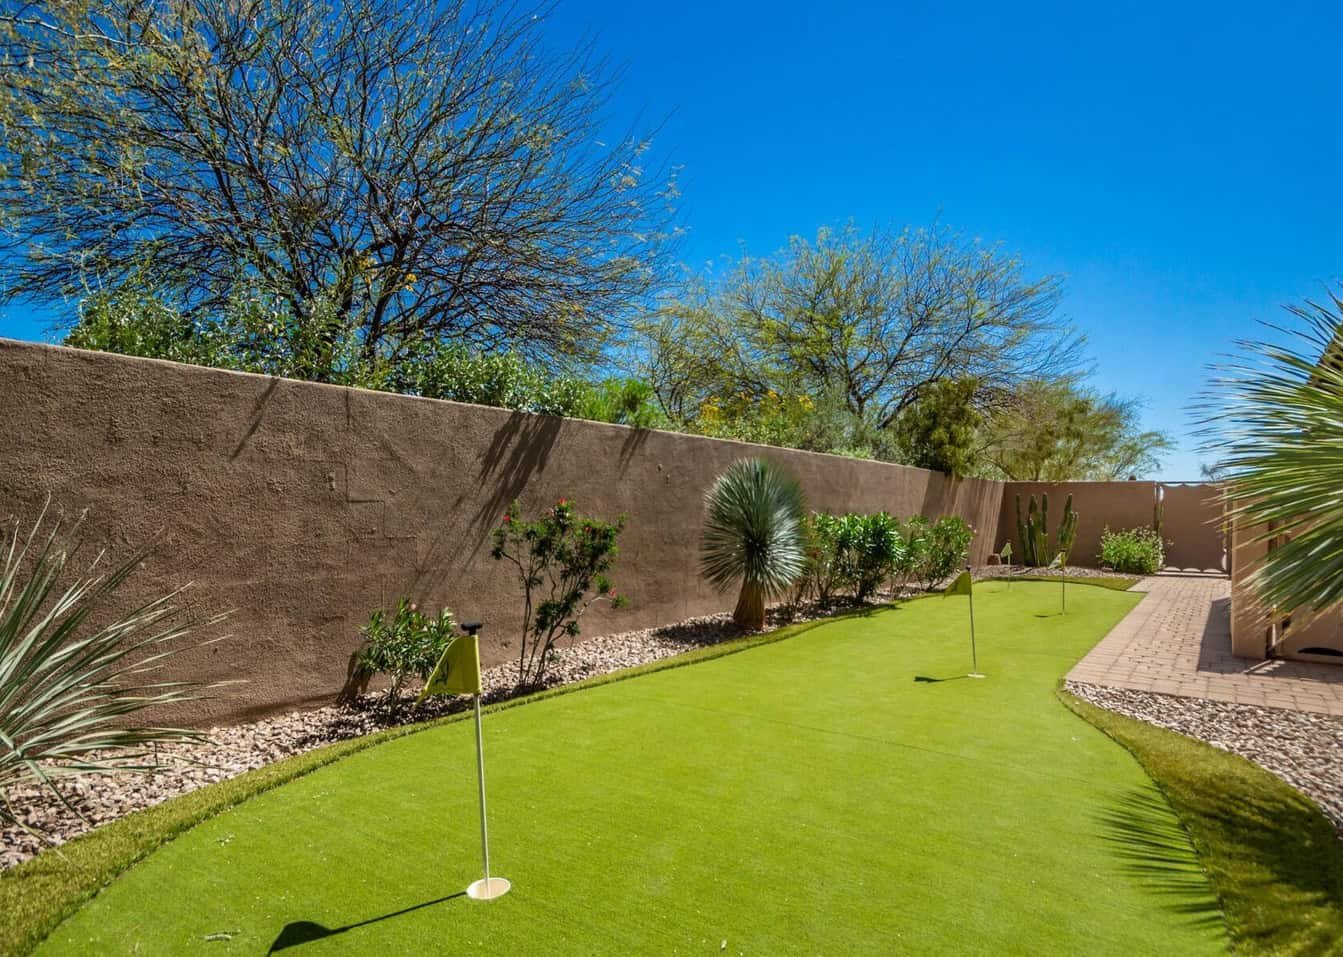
[945, 546]
[562, 560]
[404, 645]
[877, 548]
[830, 560]
[73, 669]
[1138, 551]
[754, 532]
[914, 547]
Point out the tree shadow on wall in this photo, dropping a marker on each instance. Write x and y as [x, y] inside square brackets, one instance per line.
[518, 451]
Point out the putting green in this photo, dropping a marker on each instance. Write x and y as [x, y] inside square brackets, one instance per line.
[808, 796]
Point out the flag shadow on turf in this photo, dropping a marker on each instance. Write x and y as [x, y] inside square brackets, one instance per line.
[306, 931]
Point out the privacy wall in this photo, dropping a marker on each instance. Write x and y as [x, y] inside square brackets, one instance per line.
[302, 507]
[1190, 517]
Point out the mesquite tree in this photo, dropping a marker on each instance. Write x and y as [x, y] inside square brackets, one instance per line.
[390, 172]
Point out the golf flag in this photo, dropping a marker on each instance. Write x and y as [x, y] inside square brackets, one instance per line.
[457, 671]
[961, 586]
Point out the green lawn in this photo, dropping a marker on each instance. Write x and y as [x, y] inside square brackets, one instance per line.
[812, 795]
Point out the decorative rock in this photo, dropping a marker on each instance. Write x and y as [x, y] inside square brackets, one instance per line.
[1303, 748]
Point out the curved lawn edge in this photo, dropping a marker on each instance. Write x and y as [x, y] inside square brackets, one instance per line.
[1273, 858]
[40, 893]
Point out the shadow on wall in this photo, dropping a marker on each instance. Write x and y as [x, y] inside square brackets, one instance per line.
[518, 452]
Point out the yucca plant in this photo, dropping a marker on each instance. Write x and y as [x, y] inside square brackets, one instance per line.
[1273, 417]
[754, 532]
[73, 671]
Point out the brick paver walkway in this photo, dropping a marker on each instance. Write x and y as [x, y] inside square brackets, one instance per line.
[1178, 641]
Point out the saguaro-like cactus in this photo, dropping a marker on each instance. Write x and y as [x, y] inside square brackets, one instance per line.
[1067, 531]
[1033, 532]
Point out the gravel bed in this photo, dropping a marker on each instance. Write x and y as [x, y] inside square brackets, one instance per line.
[229, 751]
[1068, 571]
[1302, 748]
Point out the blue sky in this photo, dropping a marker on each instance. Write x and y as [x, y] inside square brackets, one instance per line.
[1178, 163]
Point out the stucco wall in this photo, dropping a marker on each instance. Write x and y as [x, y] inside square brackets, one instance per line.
[302, 507]
[1098, 504]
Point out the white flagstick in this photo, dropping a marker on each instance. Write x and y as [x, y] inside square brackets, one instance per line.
[974, 654]
[488, 887]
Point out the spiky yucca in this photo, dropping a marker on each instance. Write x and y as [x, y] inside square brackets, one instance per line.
[74, 672]
[754, 533]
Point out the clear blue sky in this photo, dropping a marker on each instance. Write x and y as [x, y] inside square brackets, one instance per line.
[1179, 163]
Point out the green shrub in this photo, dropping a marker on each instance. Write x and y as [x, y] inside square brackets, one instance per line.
[944, 549]
[878, 547]
[404, 645]
[562, 560]
[1137, 551]
[829, 567]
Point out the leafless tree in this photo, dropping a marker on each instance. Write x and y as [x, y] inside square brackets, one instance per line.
[416, 170]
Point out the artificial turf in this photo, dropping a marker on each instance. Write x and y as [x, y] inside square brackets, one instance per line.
[843, 791]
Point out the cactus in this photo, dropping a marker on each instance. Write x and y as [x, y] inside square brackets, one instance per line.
[1033, 532]
[1067, 531]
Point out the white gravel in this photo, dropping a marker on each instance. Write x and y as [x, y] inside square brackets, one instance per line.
[1303, 748]
[230, 751]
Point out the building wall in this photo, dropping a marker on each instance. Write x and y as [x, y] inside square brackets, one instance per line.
[302, 507]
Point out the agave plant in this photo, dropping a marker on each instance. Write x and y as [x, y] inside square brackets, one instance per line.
[1274, 419]
[754, 532]
[73, 671]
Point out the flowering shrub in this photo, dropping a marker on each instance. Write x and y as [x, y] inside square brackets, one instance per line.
[562, 560]
[1138, 551]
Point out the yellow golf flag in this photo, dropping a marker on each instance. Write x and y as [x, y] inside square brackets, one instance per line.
[961, 586]
[457, 671]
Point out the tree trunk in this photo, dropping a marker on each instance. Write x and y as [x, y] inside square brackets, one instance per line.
[750, 611]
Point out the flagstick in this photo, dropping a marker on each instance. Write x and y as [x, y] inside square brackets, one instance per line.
[490, 887]
[974, 654]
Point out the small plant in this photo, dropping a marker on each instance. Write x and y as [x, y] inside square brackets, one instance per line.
[946, 546]
[562, 560]
[829, 547]
[404, 645]
[913, 551]
[754, 533]
[1137, 551]
[878, 548]
[72, 668]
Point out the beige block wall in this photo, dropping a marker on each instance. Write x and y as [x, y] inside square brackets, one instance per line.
[1098, 504]
[302, 507]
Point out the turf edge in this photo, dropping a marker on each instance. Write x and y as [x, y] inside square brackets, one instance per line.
[1273, 858]
[37, 895]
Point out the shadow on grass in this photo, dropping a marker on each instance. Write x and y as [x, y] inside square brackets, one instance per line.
[1154, 850]
[929, 679]
[300, 932]
[1274, 860]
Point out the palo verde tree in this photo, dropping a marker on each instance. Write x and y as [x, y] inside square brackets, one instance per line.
[387, 172]
[868, 320]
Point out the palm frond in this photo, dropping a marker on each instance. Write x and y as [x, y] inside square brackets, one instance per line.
[1273, 418]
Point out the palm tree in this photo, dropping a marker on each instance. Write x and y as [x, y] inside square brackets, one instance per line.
[1274, 417]
[754, 532]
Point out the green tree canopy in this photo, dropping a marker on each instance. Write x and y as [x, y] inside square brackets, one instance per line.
[868, 320]
[1059, 431]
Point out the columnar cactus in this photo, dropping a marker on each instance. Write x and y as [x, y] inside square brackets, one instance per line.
[1033, 532]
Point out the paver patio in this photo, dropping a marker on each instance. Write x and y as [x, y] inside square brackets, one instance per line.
[1178, 641]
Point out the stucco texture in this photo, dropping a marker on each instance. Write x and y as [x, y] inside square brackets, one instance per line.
[302, 507]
